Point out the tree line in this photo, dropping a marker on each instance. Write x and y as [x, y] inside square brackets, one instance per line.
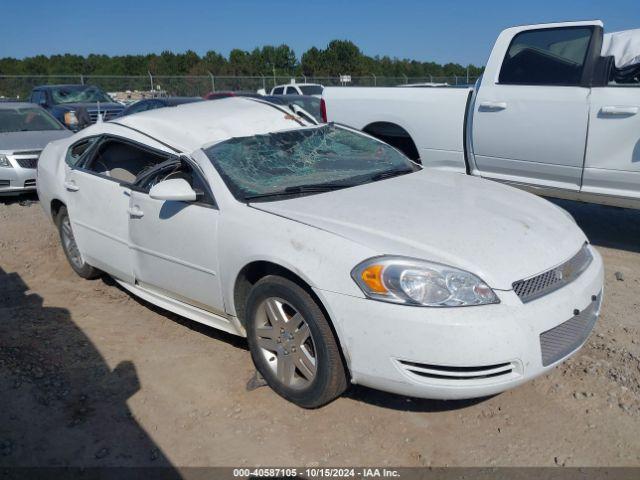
[339, 57]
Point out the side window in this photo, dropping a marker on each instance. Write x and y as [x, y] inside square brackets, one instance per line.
[37, 97]
[292, 91]
[140, 106]
[554, 56]
[122, 161]
[278, 90]
[77, 151]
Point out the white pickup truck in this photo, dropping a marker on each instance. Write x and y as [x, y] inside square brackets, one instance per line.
[555, 112]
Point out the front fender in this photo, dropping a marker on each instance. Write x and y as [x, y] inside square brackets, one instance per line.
[322, 259]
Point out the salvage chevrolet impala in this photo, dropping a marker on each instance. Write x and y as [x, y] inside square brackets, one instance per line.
[338, 258]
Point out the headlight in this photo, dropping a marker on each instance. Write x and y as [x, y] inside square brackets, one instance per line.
[70, 118]
[417, 282]
[4, 162]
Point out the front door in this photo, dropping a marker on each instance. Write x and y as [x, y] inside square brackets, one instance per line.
[530, 123]
[174, 244]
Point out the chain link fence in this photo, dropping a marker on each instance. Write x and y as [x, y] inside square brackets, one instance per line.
[19, 86]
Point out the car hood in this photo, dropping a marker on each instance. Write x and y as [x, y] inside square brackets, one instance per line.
[497, 232]
[16, 141]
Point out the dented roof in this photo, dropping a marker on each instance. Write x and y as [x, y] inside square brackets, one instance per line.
[201, 124]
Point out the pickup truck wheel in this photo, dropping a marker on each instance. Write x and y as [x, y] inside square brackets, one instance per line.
[292, 344]
[70, 247]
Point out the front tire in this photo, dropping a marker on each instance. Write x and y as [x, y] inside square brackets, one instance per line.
[292, 344]
[70, 247]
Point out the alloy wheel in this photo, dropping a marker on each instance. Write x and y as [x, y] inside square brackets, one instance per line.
[286, 342]
[70, 245]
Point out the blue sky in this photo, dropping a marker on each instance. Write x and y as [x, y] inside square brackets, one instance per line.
[461, 31]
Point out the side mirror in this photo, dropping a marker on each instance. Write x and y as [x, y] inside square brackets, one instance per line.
[175, 189]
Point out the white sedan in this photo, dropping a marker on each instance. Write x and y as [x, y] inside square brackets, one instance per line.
[336, 256]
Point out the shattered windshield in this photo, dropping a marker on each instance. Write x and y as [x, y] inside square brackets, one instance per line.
[78, 94]
[303, 161]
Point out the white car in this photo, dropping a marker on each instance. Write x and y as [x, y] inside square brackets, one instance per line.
[339, 258]
[314, 89]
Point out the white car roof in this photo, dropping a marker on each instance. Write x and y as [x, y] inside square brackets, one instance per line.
[191, 126]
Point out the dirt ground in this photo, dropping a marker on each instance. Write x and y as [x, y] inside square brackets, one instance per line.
[92, 376]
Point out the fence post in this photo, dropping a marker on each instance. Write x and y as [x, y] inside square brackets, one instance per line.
[150, 80]
[456, 77]
[82, 79]
[406, 80]
[375, 80]
[431, 78]
[213, 82]
[264, 83]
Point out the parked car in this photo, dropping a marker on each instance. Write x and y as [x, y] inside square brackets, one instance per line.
[25, 129]
[153, 103]
[229, 93]
[76, 106]
[298, 89]
[339, 258]
[307, 102]
[551, 114]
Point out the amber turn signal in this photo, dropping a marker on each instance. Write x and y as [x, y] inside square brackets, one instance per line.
[372, 277]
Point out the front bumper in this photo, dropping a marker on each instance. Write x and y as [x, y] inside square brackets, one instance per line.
[465, 352]
[17, 179]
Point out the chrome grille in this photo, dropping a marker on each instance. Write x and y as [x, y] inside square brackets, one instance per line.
[551, 280]
[107, 114]
[560, 341]
[29, 183]
[27, 162]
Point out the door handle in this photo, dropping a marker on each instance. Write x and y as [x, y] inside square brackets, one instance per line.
[493, 106]
[135, 212]
[71, 186]
[619, 111]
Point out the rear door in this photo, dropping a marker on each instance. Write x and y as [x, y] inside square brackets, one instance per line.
[98, 189]
[530, 120]
[612, 165]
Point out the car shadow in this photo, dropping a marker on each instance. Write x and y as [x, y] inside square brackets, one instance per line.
[393, 401]
[25, 199]
[605, 226]
[61, 405]
[211, 332]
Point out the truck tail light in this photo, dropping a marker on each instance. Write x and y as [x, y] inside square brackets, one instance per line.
[323, 110]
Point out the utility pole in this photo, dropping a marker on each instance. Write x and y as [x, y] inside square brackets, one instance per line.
[150, 80]
[213, 82]
[375, 80]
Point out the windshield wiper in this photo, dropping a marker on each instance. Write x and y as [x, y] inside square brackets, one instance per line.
[301, 189]
[390, 174]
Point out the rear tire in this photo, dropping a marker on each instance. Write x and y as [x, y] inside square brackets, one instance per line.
[70, 247]
[292, 343]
